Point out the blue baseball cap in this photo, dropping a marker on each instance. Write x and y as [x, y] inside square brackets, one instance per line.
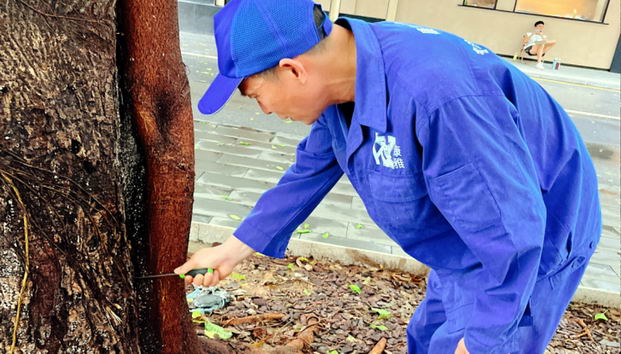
[254, 35]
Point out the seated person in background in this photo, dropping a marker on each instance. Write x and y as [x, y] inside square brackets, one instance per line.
[537, 44]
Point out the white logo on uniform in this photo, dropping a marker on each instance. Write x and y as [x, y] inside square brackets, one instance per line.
[386, 152]
[477, 48]
[425, 30]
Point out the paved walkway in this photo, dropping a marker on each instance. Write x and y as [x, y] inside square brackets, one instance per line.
[573, 75]
[235, 165]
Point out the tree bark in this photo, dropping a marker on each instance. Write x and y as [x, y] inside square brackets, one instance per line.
[159, 94]
[61, 202]
[91, 195]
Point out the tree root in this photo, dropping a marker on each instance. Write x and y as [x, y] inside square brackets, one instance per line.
[379, 347]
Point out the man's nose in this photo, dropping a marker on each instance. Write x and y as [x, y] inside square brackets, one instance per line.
[264, 109]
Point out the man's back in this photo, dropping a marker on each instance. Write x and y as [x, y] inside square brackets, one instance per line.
[438, 67]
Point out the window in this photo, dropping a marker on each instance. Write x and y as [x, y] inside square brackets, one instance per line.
[590, 10]
[489, 4]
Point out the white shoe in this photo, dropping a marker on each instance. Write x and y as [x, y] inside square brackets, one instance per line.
[539, 66]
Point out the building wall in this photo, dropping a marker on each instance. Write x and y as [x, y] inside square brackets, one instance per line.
[579, 43]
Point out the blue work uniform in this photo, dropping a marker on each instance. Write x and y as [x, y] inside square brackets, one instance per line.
[471, 167]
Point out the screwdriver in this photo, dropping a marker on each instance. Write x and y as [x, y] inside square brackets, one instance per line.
[193, 273]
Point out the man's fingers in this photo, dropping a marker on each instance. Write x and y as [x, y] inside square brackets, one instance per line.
[215, 278]
[198, 280]
[185, 267]
[188, 279]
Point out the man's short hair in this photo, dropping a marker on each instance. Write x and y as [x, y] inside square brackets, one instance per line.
[539, 23]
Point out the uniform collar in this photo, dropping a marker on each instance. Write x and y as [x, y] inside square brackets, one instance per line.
[370, 100]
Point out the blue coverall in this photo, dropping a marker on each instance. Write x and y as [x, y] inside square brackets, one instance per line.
[471, 167]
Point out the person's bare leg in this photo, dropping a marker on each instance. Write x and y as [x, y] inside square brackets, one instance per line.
[540, 52]
[548, 46]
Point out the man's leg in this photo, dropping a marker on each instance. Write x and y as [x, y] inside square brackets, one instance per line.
[548, 46]
[428, 317]
[550, 299]
[540, 52]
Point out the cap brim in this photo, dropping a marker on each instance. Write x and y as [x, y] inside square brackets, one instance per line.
[218, 93]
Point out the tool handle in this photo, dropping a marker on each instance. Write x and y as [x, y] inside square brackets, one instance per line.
[197, 271]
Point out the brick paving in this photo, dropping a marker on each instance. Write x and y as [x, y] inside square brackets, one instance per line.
[235, 165]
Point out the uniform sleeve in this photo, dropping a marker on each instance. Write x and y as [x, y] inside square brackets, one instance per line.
[482, 178]
[279, 211]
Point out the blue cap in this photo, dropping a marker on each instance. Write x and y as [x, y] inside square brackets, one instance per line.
[254, 35]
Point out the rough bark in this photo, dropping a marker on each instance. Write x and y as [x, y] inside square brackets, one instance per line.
[76, 221]
[59, 126]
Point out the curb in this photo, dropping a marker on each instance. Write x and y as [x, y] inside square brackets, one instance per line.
[201, 232]
[548, 74]
[597, 84]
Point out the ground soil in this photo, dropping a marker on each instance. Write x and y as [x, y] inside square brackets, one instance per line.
[305, 291]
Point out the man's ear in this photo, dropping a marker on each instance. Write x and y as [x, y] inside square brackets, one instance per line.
[294, 68]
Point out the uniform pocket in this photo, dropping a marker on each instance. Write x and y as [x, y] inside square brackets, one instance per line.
[463, 196]
[396, 189]
[556, 246]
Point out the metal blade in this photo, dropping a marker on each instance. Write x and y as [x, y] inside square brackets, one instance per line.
[158, 276]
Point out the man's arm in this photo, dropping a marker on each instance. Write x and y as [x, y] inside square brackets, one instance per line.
[280, 210]
[482, 178]
[277, 213]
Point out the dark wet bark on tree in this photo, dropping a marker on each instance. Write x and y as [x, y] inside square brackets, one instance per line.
[91, 195]
[158, 93]
[61, 202]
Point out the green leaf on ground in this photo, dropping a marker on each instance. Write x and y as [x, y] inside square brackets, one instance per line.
[302, 232]
[333, 352]
[325, 235]
[238, 276]
[235, 217]
[351, 339]
[380, 327]
[290, 266]
[600, 316]
[288, 121]
[274, 147]
[306, 226]
[280, 168]
[196, 314]
[307, 292]
[383, 314]
[359, 226]
[355, 288]
[244, 143]
[280, 145]
[303, 259]
[213, 330]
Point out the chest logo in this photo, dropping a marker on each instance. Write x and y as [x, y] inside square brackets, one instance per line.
[386, 152]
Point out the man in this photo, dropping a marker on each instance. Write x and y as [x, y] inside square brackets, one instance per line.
[469, 165]
[537, 44]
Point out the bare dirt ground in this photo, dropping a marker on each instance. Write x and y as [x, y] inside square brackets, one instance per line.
[352, 309]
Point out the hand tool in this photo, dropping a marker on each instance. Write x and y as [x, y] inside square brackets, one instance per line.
[193, 272]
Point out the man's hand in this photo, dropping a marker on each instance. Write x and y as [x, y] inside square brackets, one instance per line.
[461, 347]
[222, 259]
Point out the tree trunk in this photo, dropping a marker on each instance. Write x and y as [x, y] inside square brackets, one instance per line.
[158, 91]
[85, 205]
